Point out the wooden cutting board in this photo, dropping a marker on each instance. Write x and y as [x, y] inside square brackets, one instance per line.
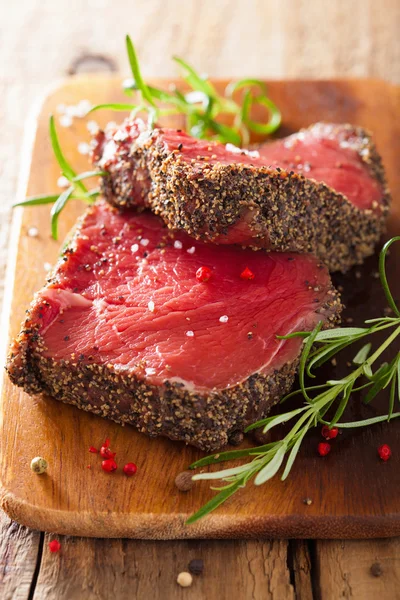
[353, 493]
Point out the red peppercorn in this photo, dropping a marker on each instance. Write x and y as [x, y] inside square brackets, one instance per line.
[384, 452]
[105, 452]
[130, 469]
[203, 274]
[247, 274]
[329, 433]
[93, 449]
[324, 448]
[54, 546]
[109, 465]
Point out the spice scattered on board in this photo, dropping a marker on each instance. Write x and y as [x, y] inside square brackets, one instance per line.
[196, 566]
[184, 481]
[329, 433]
[130, 469]
[384, 452]
[235, 438]
[33, 232]
[324, 448]
[184, 579]
[39, 465]
[54, 546]
[109, 465]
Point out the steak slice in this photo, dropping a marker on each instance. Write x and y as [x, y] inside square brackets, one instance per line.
[124, 329]
[322, 190]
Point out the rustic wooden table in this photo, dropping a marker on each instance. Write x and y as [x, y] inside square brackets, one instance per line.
[41, 42]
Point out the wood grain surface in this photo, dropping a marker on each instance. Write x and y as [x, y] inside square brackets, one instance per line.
[72, 499]
[43, 41]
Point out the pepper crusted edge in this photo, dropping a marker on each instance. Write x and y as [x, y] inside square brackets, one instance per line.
[283, 210]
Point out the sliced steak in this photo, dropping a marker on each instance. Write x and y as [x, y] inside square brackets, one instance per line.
[124, 328]
[322, 190]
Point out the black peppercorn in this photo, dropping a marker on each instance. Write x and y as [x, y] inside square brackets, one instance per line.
[196, 566]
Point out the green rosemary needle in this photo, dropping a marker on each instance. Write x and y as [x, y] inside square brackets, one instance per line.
[202, 106]
[77, 190]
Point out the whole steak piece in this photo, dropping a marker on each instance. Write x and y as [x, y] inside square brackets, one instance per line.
[322, 190]
[125, 329]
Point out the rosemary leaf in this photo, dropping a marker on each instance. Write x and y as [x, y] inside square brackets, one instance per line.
[137, 76]
[272, 466]
[271, 422]
[66, 168]
[215, 502]
[392, 395]
[295, 449]
[398, 376]
[304, 356]
[343, 403]
[366, 422]
[230, 455]
[382, 273]
[194, 80]
[362, 354]
[339, 332]
[37, 200]
[114, 106]
[87, 174]
[57, 208]
[221, 474]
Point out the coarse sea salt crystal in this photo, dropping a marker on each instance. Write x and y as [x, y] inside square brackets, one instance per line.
[191, 250]
[61, 108]
[65, 121]
[144, 242]
[111, 125]
[150, 371]
[151, 306]
[33, 232]
[178, 245]
[83, 108]
[190, 333]
[224, 319]
[233, 149]
[62, 182]
[128, 83]
[71, 111]
[83, 148]
[120, 136]
[92, 127]
[134, 248]
[47, 266]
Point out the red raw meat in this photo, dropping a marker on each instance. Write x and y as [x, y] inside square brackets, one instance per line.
[125, 329]
[322, 190]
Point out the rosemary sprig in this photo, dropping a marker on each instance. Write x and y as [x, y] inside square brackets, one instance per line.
[76, 191]
[202, 105]
[319, 347]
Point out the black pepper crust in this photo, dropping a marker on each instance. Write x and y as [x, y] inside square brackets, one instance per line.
[205, 420]
[283, 211]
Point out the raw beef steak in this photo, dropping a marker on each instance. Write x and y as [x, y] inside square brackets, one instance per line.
[322, 190]
[125, 329]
